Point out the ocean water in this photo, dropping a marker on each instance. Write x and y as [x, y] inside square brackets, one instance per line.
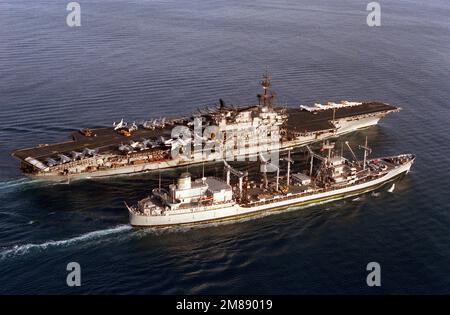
[142, 59]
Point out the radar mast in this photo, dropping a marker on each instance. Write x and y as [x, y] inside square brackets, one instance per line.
[268, 96]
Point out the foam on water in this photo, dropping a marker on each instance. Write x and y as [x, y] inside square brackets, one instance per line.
[24, 182]
[19, 250]
[13, 183]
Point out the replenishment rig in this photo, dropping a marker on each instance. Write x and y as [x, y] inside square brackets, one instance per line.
[127, 148]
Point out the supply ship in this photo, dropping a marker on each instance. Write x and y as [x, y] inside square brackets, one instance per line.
[211, 199]
[127, 148]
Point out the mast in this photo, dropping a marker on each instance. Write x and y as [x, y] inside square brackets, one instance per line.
[203, 172]
[268, 96]
[289, 161]
[314, 155]
[264, 165]
[365, 154]
[367, 150]
[240, 186]
[266, 183]
[278, 179]
[328, 146]
[288, 168]
[239, 174]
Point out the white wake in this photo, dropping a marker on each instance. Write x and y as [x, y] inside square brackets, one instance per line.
[13, 183]
[18, 250]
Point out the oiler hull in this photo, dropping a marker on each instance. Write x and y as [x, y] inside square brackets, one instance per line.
[236, 212]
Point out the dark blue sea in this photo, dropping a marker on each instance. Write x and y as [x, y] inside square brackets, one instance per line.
[148, 59]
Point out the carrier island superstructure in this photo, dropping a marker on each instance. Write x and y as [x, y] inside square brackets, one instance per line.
[127, 148]
[210, 199]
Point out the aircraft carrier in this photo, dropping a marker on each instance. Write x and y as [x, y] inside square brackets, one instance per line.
[127, 148]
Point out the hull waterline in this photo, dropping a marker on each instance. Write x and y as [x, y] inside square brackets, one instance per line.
[237, 212]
